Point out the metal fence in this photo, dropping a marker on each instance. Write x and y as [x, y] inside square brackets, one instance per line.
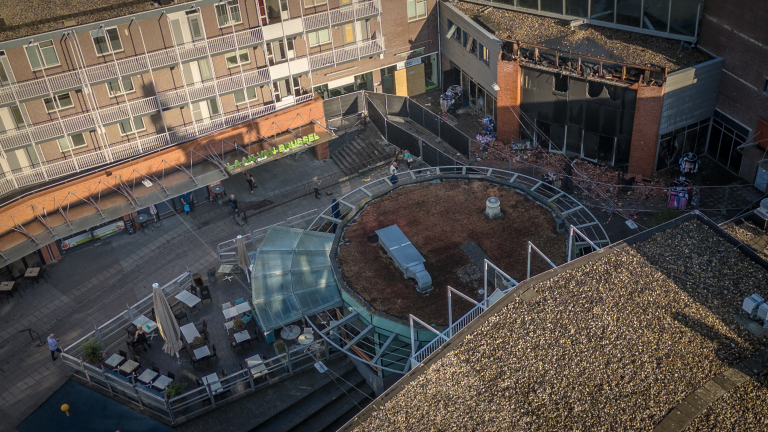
[192, 403]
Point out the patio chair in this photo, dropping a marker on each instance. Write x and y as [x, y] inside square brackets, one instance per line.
[122, 353]
[154, 369]
[213, 351]
[131, 330]
[247, 318]
[170, 375]
[240, 301]
[229, 325]
[180, 314]
[201, 326]
[205, 294]
[137, 359]
[198, 382]
[226, 305]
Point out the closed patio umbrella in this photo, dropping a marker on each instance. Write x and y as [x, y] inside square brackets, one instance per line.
[242, 257]
[166, 322]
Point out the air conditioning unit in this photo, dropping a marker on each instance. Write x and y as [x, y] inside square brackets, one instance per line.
[752, 303]
[762, 312]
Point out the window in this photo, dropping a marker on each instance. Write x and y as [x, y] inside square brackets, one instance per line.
[72, 142]
[276, 52]
[346, 2]
[240, 95]
[472, 47]
[319, 37]
[138, 125]
[106, 41]
[314, 3]
[239, 58]
[17, 117]
[417, 9]
[42, 55]
[195, 26]
[485, 55]
[228, 13]
[116, 87]
[456, 34]
[349, 33]
[60, 101]
[3, 75]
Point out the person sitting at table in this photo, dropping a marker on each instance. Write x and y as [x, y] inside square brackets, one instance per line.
[140, 338]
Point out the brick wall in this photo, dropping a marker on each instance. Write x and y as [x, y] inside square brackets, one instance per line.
[645, 132]
[508, 100]
[180, 155]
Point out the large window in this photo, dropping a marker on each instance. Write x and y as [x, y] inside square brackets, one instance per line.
[128, 126]
[250, 92]
[228, 13]
[688, 139]
[42, 55]
[106, 41]
[276, 52]
[239, 58]
[485, 55]
[319, 37]
[59, 102]
[73, 142]
[314, 3]
[417, 9]
[725, 137]
[118, 87]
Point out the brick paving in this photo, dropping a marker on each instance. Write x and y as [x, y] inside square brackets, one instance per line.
[94, 282]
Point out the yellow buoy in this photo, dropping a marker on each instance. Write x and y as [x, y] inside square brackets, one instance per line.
[65, 408]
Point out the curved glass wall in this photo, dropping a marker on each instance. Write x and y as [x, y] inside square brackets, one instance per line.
[671, 18]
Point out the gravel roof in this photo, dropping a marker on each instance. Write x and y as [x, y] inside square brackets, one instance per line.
[610, 344]
[29, 15]
[632, 47]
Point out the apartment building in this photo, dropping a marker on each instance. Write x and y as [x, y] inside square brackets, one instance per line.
[99, 85]
[82, 96]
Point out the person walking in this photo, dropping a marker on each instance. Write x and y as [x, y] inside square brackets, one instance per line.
[186, 204]
[140, 339]
[393, 168]
[53, 345]
[233, 205]
[249, 179]
[316, 186]
[408, 159]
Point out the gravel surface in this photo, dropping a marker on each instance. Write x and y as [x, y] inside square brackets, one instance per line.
[633, 47]
[737, 411]
[746, 233]
[610, 345]
[438, 219]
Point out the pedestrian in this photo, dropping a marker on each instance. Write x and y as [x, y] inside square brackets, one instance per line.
[316, 186]
[249, 179]
[234, 207]
[187, 207]
[53, 345]
[393, 179]
[155, 213]
[393, 168]
[140, 339]
[408, 159]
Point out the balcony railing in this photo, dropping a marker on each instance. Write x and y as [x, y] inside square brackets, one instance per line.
[49, 171]
[346, 53]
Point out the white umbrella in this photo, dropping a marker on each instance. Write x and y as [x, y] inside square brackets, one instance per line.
[166, 322]
[242, 257]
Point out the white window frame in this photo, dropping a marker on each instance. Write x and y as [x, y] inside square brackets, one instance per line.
[124, 132]
[105, 35]
[317, 35]
[4, 69]
[238, 57]
[229, 6]
[71, 145]
[313, 3]
[57, 103]
[416, 4]
[39, 53]
[120, 83]
[246, 99]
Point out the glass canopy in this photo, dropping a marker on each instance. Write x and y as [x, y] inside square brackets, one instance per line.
[292, 277]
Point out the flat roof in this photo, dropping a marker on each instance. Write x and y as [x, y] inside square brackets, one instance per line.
[30, 17]
[608, 43]
[614, 340]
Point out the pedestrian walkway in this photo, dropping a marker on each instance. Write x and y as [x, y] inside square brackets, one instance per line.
[95, 282]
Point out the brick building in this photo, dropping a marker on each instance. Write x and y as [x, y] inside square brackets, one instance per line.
[103, 87]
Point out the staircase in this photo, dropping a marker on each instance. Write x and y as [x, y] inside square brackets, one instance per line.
[327, 406]
[363, 149]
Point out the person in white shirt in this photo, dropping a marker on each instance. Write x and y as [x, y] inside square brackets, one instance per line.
[393, 168]
[53, 345]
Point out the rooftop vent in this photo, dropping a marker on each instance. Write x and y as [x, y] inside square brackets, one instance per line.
[405, 256]
[492, 209]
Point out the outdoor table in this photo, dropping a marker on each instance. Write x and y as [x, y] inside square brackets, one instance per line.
[213, 382]
[236, 310]
[162, 382]
[31, 274]
[114, 360]
[217, 189]
[242, 336]
[290, 332]
[147, 324]
[188, 298]
[129, 366]
[142, 219]
[256, 365]
[7, 289]
[306, 339]
[189, 332]
[202, 352]
[147, 376]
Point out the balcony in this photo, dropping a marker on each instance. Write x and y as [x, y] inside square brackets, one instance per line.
[346, 53]
[341, 15]
[114, 153]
